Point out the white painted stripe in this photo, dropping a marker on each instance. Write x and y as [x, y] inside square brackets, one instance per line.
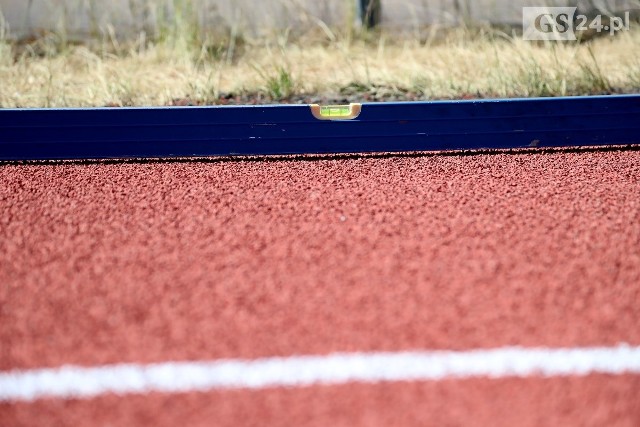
[299, 371]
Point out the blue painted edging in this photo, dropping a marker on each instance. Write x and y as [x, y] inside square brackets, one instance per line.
[32, 134]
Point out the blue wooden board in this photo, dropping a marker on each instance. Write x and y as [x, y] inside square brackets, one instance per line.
[32, 134]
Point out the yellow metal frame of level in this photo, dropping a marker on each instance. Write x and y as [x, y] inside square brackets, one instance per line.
[336, 112]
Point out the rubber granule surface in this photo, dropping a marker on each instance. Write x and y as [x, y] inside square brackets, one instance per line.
[151, 262]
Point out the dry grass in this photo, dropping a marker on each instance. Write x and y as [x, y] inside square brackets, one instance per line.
[48, 74]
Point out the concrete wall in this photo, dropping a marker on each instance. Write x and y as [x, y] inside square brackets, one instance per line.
[79, 18]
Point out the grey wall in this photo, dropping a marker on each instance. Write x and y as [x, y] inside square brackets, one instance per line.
[80, 18]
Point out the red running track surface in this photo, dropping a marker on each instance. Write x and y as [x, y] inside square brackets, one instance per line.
[151, 262]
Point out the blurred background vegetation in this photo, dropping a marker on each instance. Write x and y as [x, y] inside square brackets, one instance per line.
[59, 53]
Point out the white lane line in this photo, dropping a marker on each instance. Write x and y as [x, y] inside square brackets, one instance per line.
[299, 371]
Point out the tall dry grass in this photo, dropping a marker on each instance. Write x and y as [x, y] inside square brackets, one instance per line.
[182, 61]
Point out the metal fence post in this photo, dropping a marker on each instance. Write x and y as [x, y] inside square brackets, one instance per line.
[370, 12]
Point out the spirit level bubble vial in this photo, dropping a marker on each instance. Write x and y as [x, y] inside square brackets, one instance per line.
[336, 112]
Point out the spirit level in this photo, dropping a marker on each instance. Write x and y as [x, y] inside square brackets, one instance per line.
[30, 134]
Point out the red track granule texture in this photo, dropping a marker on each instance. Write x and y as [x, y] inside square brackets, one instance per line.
[151, 262]
[596, 401]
